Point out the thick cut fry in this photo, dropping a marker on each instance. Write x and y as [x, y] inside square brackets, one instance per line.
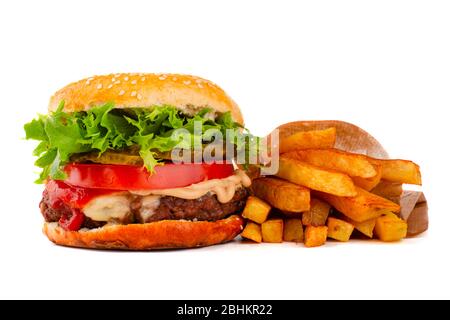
[256, 210]
[308, 139]
[362, 207]
[293, 230]
[369, 183]
[315, 236]
[252, 231]
[272, 230]
[317, 215]
[365, 227]
[316, 178]
[339, 229]
[353, 164]
[282, 194]
[402, 171]
[390, 228]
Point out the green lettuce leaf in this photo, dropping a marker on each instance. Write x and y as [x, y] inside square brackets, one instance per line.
[103, 128]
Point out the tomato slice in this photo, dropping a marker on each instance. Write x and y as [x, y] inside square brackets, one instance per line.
[125, 177]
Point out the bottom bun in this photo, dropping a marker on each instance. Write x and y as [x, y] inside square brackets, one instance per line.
[165, 234]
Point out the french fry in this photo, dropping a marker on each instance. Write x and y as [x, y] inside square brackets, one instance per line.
[252, 231]
[315, 236]
[402, 171]
[282, 194]
[362, 207]
[317, 215]
[353, 164]
[390, 228]
[369, 183]
[293, 230]
[256, 210]
[339, 229]
[272, 230]
[365, 227]
[315, 178]
[308, 139]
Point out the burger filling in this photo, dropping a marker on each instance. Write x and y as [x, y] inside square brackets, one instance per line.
[112, 166]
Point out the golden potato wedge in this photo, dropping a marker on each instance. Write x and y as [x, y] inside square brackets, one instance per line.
[355, 165]
[316, 178]
[293, 230]
[389, 228]
[317, 215]
[362, 207]
[272, 230]
[256, 210]
[369, 183]
[282, 194]
[315, 236]
[308, 139]
[365, 227]
[402, 171]
[339, 229]
[252, 231]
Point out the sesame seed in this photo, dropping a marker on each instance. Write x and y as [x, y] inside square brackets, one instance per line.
[133, 93]
[133, 82]
[174, 78]
[199, 80]
[117, 82]
[162, 78]
[99, 86]
[113, 79]
[187, 82]
[143, 79]
[88, 82]
[122, 92]
[139, 96]
[200, 86]
[125, 79]
[110, 86]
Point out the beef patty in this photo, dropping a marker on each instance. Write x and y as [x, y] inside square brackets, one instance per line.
[206, 208]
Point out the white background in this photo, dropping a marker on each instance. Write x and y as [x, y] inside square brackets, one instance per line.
[384, 65]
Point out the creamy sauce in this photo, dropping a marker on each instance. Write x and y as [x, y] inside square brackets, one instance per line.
[224, 189]
[116, 207]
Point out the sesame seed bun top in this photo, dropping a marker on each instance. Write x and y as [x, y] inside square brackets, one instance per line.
[142, 90]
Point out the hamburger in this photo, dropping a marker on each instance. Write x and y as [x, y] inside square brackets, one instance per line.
[106, 152]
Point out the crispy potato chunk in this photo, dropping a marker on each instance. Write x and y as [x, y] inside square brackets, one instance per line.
[390, 228]
[256, 210]
[293, 230]
[339, 229]
[252, 231]
[369, 183]
[362, 207]
[353, 164]
[308, 139]
[317, 215]
[282, 194]
[272, 230]
[402, 171]
[315, 236]
[316, 178]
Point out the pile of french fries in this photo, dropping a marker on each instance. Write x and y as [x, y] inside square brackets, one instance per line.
[322, 193]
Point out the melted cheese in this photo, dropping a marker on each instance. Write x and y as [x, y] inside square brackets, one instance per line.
[224, 189]
[107, 208]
